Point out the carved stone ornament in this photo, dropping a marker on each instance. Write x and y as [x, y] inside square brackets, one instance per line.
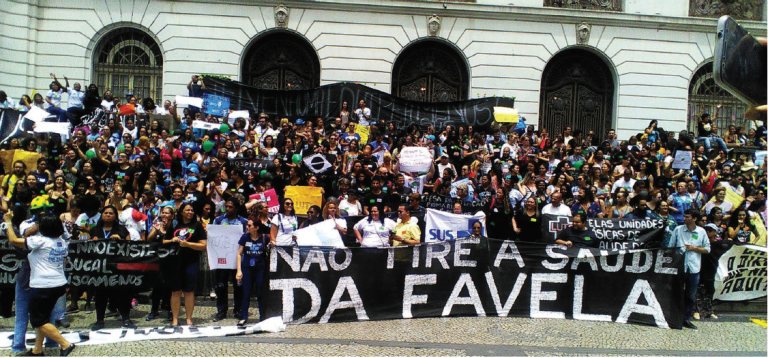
[582, 33]
[433, 25]
[281, 16]
[607, 5]
[738, 9]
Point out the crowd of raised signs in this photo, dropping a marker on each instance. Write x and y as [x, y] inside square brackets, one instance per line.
[134, 158]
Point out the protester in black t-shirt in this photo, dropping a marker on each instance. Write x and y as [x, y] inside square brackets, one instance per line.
[578, 235]
[376, 197]
[192, 238]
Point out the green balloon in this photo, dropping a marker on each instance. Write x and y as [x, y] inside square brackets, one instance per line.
[120, 148]
[90, 154]
[224, 128]
[578, 165]
[296, 158]
[207, 146]
[263, 173]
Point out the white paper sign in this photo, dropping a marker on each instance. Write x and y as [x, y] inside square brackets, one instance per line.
[205, 125]
[415, 159]
[52, 127]
[320, 234]
[442, 226]
[222, 246]
[239, 114]
[182, 101]
[682, 160]
[35, 114]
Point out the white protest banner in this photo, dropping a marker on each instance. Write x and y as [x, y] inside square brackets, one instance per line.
[183, 101]
[682, 160]
[222, 246]
[239, 114]
[415, 159]
[120, 335]
[205, 125]
[442, 226]
[741, 273]
[36, 114]
[320, 234]
[53, 127]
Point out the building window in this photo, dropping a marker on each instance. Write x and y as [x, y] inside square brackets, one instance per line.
[738, 9]
[430, 71]
[281, 61]
[128, 60]
[606, 5]
[705, 96]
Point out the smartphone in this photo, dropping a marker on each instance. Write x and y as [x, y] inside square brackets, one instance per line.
[740, 63]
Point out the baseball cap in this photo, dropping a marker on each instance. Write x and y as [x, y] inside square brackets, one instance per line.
[710, 226]
[40, 202]
[444, 155]
[138, 216]
[299, 121]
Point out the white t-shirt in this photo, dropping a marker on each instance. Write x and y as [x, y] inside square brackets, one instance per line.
[46, 261]
[351, 209]
[286, 225]
[621, 183]
[84, 220]
[374, 234]
[107, 105]
[561, 210]
[55, 97]
[161, 110]
[363, 115]
[75, 99]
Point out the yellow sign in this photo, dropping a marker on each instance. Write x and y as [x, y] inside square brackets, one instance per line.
[303, 197]
[7, 157]
[505, 115]
[29, 158]
[731, 197]
[364, 132]
[760, 238]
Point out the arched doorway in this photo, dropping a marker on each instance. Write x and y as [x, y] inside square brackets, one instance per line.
[430, 71]
[129, 60]
[705, 96]
[576, 90]
[281, 61]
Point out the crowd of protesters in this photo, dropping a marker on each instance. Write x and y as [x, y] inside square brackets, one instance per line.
[123, 176]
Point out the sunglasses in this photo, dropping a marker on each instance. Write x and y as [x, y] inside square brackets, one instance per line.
[289, 204]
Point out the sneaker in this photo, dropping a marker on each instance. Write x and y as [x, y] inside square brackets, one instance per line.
[152, 316]
[30, 354]
[72, 309]
[713, 316]
[111, 314]
[66, 352]
[134, 303]
[129, 324]
[220, 316]
[97, 326]
[242, 323]
[88, 309]
[238, 315]
[696, 316]
[213, 294]
[689, 325]
[64, 323]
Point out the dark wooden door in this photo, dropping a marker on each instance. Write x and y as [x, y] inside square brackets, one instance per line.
[577, 90]
[282, 61]
[429, 71]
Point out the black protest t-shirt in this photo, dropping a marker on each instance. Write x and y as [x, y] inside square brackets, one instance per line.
[380, 199]
[191, 232]
[126, 175]
[579, 238]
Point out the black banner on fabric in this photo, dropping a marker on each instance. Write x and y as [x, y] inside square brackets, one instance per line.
[100, 263]
[11, 122]
[612, 234]
[325, 102]
[437, 202]
[470, 278]
[249, 165]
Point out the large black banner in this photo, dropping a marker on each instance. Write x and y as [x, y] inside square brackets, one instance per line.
[472, 278]
[11, 122]
[99, 263]
[325, 102]
[612, 234]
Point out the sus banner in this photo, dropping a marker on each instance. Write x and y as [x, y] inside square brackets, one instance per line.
[612, 234]
[475, 277]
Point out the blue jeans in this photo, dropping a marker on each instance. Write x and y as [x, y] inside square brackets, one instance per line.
[252, 279]
[708, 144]
[691, 283]
[23, 293]
[61, 114]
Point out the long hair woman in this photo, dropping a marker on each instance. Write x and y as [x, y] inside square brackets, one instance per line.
[162, 226]
[284, 224]
[373, 231]
[47, 280]
[192, 238]
[251, 264]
